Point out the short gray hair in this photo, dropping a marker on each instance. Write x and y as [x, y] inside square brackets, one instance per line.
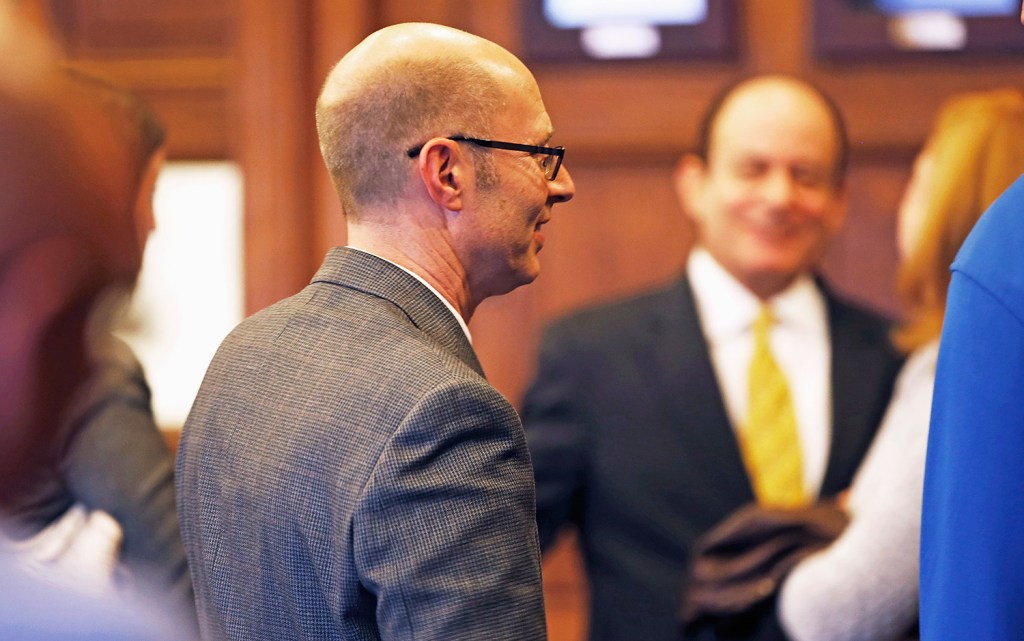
[365, 134]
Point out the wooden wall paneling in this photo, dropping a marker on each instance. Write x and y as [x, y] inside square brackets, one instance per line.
[505, 332]
[175, 54]
[623, 232]
[189, 95]
[891, 108]
[862, 260]
[337, 27]
[149, 29]
[775, 35]
[445, 12]
[36, 13]
[628, 113]
[565, 595]
[496, 20]
[198, 122]
[275, 134]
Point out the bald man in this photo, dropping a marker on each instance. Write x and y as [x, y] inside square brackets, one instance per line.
[633, 420]
[346, 471]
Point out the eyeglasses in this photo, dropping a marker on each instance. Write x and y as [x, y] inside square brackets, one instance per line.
[550, 163]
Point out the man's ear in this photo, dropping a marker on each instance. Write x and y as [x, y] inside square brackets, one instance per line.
[688, 180]
[442, 168]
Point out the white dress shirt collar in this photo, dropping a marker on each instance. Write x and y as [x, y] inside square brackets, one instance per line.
[727, 308]
[799, 341]
[451, 308]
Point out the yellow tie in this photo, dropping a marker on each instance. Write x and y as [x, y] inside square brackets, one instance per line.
[768, 436]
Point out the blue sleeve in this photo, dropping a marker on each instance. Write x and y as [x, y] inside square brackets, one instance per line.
[972, 568]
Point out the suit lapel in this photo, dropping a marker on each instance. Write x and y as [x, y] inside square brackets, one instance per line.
[861, 378]
[377, 277]
[682, 373]
[685, 382]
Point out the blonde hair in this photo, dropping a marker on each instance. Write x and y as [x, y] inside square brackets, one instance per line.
[977, 148]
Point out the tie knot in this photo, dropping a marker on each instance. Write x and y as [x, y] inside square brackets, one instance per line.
[764, 321]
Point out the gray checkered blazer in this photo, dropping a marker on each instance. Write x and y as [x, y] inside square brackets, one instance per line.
[347, 472]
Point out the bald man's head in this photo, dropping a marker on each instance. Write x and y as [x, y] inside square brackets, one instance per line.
[749, 86]
[766, 188]
[400, 87]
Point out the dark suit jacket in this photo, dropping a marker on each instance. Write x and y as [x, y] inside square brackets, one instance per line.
[631, 442]
[348, 473]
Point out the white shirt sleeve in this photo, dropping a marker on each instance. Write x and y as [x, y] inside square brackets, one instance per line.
[864, 586]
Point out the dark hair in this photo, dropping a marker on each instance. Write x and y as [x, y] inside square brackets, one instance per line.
[137, 124]
[710, 119]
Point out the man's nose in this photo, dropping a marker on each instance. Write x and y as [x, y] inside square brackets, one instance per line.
[562, 188]
[778, 188]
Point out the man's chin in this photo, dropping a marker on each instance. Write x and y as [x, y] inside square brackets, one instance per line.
[529, 272]
[529, 277]
[519, 278]
[781, 258]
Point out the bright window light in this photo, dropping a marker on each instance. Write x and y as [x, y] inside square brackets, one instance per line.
[976, 8]
[190, 293]
[575, 14]
[928, 31]
[620, 41]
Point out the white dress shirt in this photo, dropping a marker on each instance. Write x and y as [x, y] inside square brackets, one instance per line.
[451, 308]
[799, 341]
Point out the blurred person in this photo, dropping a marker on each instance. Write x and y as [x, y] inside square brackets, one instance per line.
[864, 587]
[641, 420]
[346, 471]
[110, 458]
[972, 520]
[50, 275]
[37, 183]
[34, 609]
[90, 497]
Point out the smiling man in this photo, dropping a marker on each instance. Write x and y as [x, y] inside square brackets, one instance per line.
[646, 423]
[346, 471]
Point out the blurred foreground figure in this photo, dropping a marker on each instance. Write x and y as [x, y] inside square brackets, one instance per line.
[33, 609]
[864, 587]
[972, 569]
[346, 471]
[66, 236]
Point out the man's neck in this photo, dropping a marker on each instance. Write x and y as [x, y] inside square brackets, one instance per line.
[428, 257]
[764, 286]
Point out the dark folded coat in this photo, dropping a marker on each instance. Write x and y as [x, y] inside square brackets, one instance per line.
[738, 566]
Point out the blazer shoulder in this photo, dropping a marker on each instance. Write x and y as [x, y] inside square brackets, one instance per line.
[621, 316]
[325, 334]
[851, 318]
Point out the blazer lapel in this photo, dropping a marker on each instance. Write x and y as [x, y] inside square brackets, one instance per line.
[682, 373]
[861, 379]
[377, 277]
